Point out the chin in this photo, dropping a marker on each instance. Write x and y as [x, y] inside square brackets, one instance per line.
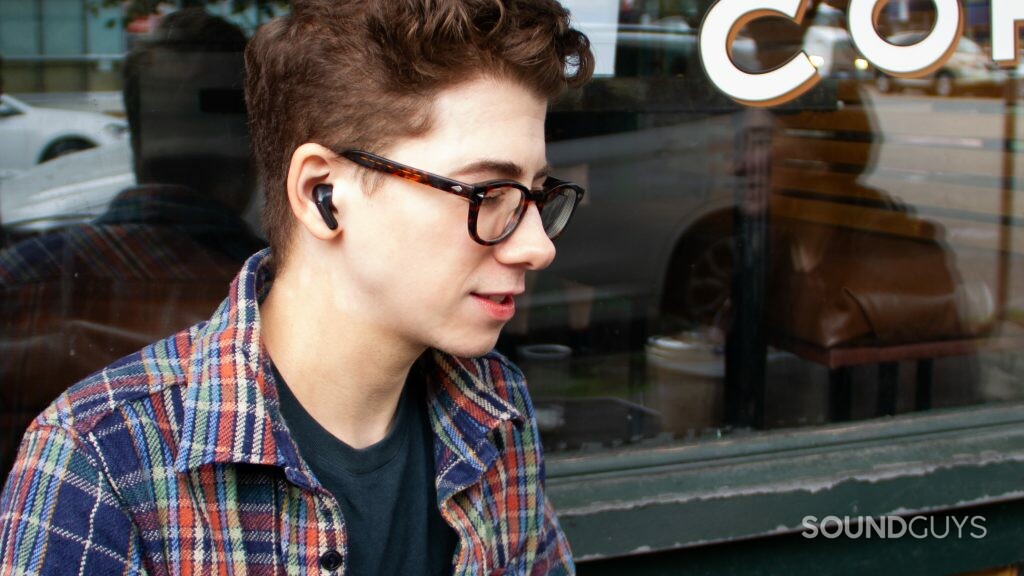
[469, 349]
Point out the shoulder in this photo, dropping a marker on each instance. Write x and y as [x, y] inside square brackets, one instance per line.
[137, 382]
[83, 251]
[32, 260]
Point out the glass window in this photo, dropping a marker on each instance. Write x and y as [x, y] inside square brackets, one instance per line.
[846, 256]
[849, 255]
[126, 190]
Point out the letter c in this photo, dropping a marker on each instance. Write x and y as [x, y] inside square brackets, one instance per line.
[722, 22]
[915, 60]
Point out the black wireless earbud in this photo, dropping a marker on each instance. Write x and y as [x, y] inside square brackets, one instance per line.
[322, 194]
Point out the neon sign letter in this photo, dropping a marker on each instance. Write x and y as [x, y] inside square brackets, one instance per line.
[721, 24]
[1007, 16]
[915, 60]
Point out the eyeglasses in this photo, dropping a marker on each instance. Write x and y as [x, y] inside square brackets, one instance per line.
[496, 207]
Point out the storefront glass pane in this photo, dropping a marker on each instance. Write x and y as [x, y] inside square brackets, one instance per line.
[848, 255]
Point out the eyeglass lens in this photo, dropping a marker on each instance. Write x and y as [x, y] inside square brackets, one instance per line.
[498, 212]
[502, 208]
[558, 210]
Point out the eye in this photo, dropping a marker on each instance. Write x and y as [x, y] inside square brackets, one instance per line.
[500, 210]
[503, 194]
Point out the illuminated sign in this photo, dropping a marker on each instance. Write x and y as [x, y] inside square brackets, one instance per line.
[727, 17]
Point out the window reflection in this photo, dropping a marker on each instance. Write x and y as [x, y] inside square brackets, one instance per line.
[846, 256]
[167, 241]
[849, 255]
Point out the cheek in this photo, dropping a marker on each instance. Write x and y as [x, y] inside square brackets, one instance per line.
[418, 254]
[435, 226]
[441, 272]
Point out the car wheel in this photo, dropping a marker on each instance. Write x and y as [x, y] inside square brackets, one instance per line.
[883, 83]
[65, 146]
[944, 84]
[699, 279]
[710, 283]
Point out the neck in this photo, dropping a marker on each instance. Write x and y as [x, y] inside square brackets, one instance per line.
[345, 371]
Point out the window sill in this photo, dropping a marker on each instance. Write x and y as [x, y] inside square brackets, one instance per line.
[645, 499]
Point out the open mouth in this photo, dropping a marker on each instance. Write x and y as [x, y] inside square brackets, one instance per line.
[498, 306]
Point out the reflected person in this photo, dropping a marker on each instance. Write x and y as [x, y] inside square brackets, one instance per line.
[159, 258]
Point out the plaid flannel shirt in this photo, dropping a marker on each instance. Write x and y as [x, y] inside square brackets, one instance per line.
[74, 300]
[175, 460]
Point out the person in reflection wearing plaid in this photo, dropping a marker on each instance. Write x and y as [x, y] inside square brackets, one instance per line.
[343, 410]
[160, 256]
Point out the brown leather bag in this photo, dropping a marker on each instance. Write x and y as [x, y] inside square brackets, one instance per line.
[833, 286]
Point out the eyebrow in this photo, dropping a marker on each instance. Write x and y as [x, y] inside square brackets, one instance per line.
[503, 169]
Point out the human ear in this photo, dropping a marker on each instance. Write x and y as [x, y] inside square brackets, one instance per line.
[311, 191]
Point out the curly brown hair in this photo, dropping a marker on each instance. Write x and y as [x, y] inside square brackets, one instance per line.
[359, 74]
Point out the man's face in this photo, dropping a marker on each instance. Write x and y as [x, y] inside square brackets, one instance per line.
[414, 272]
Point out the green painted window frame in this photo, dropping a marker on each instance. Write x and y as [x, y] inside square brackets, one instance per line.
[647, 499]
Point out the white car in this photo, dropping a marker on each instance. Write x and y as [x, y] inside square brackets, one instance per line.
[829, 47]
[30, 135]
[75, 189]
[969, 69]
[72, 189]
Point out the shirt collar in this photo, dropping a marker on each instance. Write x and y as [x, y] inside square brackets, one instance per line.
[466, 400]
[231, 409]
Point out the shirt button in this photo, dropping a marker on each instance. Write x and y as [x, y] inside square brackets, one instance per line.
[331, 560]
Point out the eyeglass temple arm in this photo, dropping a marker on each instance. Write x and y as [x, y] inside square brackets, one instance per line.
[374, 162]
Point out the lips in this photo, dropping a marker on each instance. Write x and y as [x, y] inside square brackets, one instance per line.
[497, 298]
[499, 306]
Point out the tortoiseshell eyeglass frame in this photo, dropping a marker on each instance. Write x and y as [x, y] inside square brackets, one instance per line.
[475, 193]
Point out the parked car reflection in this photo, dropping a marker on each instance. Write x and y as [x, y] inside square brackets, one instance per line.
[30, 135]
[72, 189]
[968, 70]
[830, 48]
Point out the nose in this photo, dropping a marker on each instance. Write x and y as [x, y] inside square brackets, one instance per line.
[528, 245]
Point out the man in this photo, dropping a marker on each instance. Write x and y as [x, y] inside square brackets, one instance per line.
[161, 255]
[341, 412]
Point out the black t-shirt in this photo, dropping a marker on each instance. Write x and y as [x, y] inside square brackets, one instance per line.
[386, 491]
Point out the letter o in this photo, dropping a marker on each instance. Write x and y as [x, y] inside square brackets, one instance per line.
[915, 60]
[824, 525]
